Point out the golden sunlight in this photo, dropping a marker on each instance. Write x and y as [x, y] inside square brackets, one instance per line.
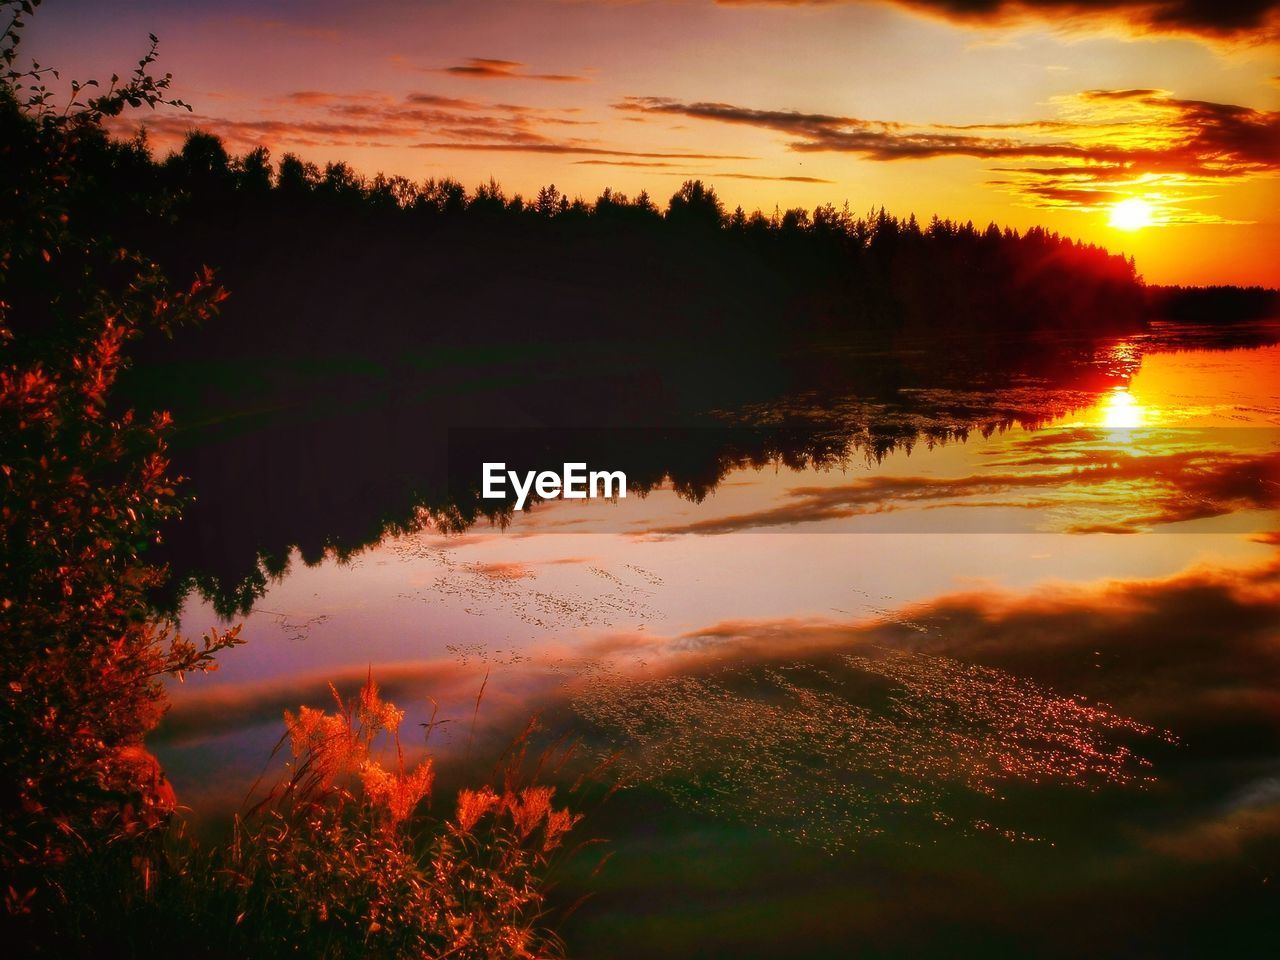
[1132, 214]
[1120, 411]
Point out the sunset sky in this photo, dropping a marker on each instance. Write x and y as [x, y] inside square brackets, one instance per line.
[1148, 127]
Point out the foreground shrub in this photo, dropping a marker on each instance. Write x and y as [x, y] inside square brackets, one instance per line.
[83, 490]
[344, 857]
[338, 861]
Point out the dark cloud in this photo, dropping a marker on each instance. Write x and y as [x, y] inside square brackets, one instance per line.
[1134, 93]
[878, 140]
[486, 68]
[1214, 838]
[1227, 19]
[1196, 652]
[1107, 144]
[1218, 138]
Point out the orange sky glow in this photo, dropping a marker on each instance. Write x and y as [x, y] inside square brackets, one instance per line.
[1149, 127]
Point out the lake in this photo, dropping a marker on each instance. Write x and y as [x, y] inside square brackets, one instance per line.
[955, 655]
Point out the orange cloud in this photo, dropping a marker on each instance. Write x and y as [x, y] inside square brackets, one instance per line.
[326, 119]
[1105, 145]
[1176, 487]
[486, 68]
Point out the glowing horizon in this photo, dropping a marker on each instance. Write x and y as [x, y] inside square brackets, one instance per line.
[1151, 129]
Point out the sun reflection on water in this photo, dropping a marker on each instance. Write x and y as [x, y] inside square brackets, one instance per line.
[1119, 410]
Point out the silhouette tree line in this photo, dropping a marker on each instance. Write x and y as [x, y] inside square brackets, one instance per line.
[1217, 304]
[309, 246]
[366, 312]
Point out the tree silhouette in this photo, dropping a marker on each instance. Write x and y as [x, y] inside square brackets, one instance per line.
[695, 205]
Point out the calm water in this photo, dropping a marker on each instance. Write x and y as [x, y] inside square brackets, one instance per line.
[1020, 685]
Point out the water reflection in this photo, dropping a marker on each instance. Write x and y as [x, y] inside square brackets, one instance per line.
[847, 411]
[1120, 411]
[987, 673]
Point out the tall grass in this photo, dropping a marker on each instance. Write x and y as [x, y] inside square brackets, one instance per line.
[344, 856]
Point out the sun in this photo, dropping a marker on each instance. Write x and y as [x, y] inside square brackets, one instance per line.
[1120, 411]
[1132, 214]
